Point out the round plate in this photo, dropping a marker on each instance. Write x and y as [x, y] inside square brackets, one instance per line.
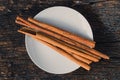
[46, 58]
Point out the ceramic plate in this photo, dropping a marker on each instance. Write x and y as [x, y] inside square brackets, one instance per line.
[46, 58]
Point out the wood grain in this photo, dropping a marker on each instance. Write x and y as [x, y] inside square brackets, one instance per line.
[104, 18]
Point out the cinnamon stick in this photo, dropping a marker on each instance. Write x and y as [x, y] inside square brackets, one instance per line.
[82, 59]
[84, 51]
[69, 56]
[52, 33]
[21, 23]
[90, 57]
[97, 59]
[80, 54]
[62, 52]
[44, 37]
[72, 36]
[97, 53]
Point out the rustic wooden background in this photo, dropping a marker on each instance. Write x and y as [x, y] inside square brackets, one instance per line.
[104, 17]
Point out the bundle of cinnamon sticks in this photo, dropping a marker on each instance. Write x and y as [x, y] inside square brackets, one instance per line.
[72, 46]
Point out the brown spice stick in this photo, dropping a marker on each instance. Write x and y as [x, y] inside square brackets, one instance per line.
[67, 55]
[91, 54]
[21, 23]
[84, 51]
[87, 61]
[82, 46]
[75, 47]
[95, 60]
[97, 53]
[48, 32]
[72, 36]
[62, 52]
[59, 36]
[44, 37]
[82, 59]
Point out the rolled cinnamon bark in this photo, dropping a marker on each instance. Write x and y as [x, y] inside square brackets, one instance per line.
[52, 33]
[67, 34]
[94, 52]
[82, 58]
[44, 37]
[67, 55]
[62, 52]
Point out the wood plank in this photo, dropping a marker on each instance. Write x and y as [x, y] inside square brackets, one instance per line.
[104, 18]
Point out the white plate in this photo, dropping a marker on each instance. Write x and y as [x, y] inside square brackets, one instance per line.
[48, 59]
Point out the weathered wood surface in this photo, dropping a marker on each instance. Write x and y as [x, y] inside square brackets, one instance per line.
[104, 17]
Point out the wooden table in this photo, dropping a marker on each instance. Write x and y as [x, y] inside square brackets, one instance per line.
[104, 18]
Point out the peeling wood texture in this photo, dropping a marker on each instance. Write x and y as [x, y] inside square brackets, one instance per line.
[104, 18]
